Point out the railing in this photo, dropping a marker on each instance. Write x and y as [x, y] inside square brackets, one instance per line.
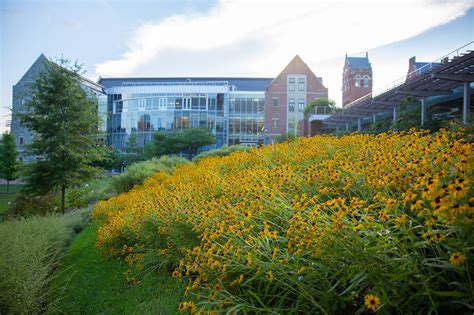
[416, 73]
[322, 110]
[168, 83]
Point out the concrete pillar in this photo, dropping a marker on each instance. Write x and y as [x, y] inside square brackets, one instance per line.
[347, 126]
[423, 110]
[374, 118]
[466, 104]
[337, 128]
[359, 124]
[395, 109]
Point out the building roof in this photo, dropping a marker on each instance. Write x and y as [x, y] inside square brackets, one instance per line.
[358, 62]
[297, 65]
[241, 84]
[38, 66]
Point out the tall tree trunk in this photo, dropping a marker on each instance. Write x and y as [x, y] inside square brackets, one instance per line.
[63, 199]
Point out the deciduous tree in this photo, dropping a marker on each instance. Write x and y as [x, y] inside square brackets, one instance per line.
[62, 115]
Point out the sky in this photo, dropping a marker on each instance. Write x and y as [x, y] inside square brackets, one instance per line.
[249, 38]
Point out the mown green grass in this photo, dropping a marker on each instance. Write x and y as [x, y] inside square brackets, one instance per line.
[90, 284]
[6, 198]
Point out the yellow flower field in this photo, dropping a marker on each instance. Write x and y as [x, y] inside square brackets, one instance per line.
[315, 225]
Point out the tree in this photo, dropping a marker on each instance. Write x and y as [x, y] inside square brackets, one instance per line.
[320, 102]
[9, 165]
[194, 138]
[183, 140]
[63, 117]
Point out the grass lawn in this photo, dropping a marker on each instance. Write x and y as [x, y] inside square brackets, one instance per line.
[92, 284]
[5, 198]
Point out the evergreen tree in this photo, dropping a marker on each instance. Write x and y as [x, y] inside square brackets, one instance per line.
[64, 120]
[9, 165]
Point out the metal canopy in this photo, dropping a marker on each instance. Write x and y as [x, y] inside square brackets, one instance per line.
[439, 80]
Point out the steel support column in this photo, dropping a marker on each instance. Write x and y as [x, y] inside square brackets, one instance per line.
[466, 103]
[394, 113]
[374, 118]
[423, 110]
[359, 124]
[347, 126]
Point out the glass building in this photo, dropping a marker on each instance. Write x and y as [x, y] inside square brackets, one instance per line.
[247, 111]
[231, 108]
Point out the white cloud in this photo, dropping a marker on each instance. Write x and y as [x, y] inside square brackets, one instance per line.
[316, 30]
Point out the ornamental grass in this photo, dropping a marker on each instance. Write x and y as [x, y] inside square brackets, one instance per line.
[319, 225]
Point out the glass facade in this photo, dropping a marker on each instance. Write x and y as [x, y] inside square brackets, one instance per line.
[246, 119]
[144, 114]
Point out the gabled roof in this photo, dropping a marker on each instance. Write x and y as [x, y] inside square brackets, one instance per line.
[297, 61]
[358, 62]
[34, 69]
[38, 66]
[242, 84]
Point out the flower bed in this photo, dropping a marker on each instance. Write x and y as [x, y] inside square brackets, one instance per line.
[317, 225]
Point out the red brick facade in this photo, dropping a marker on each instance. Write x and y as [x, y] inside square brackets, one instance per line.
[278, 117]
[356, 79]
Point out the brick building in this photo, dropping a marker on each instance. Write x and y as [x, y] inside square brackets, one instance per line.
[286, 97]
[356, 79]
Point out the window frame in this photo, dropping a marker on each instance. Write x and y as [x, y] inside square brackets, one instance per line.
[291, 103]
[275, 122]
[277, 99]
[291, 84]
[301, 84]
[301, 104]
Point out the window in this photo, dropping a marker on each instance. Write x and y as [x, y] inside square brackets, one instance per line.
[275, 101]
[301, 84]
[203, 103]
[21, 140]
[291, 105]
[274, 122]
[300, 105]
[162, 103]
[179, 103]
[141, 104]
[186, 103]
[358, 80]
[261, 105]
[366, 80]
[220, 101]
[291, 84]
[195, 103]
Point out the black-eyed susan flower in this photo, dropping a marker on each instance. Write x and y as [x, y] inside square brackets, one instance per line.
[372, 302]
[270, 276]
[457, 259]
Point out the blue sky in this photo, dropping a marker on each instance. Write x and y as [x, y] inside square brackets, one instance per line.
[228, 38]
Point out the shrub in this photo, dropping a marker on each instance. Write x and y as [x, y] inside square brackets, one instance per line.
[224, 151]
[92, 191]
[28, 205]
[315, 225]
[29, 252]
[138, 172]
[289, 136]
